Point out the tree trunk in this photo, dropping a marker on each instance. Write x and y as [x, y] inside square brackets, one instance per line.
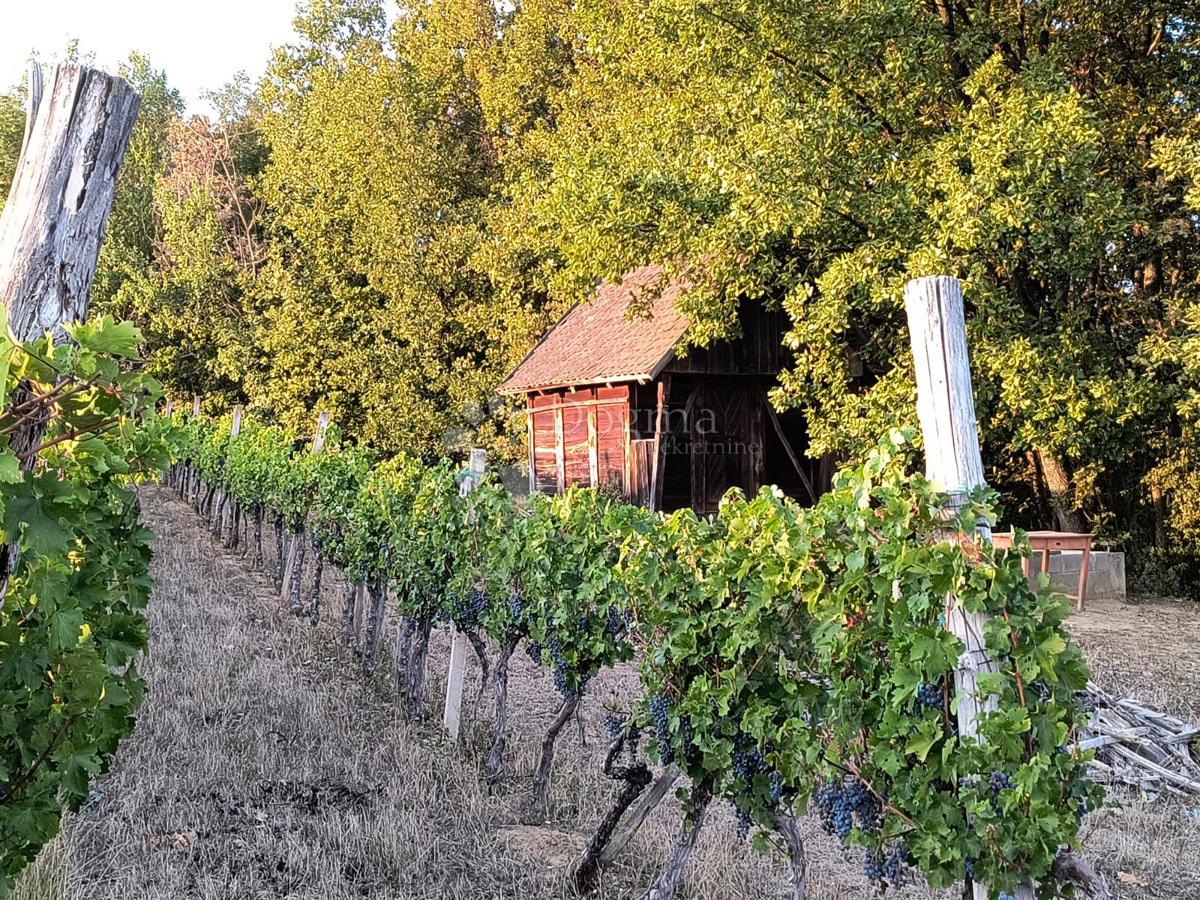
[467, 733]
[235, 516]
[314, 601]
[789, 830]
[671, 874]
[1067, 515]
[635, 777]
[55, 217]
[1160, 517]
[278, 572]
[378, 595]
[348, 636]
[539, 806]
[297, 572]
[495, 759]
[400, 653]
[639, 814]
[258, 523]
[418, 664]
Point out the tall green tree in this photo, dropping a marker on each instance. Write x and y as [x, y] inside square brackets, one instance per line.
[386, 145]
[816, 156]
[12, 128]
[127, 256]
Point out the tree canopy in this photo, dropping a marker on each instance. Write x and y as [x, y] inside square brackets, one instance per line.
[389, 219]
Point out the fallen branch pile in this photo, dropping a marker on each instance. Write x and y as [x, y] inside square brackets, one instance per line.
[1139, 747]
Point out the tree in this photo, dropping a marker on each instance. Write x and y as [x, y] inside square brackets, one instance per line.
[12, 127]
[818, 156]
[127, 257]
[385, 148]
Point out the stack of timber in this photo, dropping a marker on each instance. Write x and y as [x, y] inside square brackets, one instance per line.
[1139, 747]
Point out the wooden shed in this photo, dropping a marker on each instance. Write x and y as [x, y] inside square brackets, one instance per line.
[610, 401]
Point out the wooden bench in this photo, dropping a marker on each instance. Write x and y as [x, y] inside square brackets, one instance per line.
[1045, 541]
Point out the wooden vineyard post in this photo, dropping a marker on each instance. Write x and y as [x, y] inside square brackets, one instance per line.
[946, 409]
[452, 716]
[196, 406]
[76, 133]
[77, 130]
[318, 444]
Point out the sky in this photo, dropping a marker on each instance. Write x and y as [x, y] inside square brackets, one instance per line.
[200, 45]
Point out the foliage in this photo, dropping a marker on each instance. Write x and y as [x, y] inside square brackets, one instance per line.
[801, 655]
[76, 570]
[127, 255]
[577, 610]
[816, 157]
[12, 127]
[791, 658]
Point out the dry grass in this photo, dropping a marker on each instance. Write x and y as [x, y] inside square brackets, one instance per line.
[265, 765]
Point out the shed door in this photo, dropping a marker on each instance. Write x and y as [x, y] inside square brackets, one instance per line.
[726, 443]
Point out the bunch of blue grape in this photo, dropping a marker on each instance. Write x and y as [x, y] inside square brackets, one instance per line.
[660, 714]
[517, 608]
[887, 867]
[998, 782]
[562, 674]
[614, 726]
[534, 651]
[929, 696]
[618, 622]
[617, 726]
[744, 820]
[747, 760]
[895, 864]
[843, 804]
[467, 614]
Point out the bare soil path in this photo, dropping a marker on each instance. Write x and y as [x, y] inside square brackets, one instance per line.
[266, 765]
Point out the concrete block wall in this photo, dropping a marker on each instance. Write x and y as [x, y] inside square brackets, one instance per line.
[1106, 572]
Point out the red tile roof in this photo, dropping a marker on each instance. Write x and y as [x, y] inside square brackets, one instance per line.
[595, 342]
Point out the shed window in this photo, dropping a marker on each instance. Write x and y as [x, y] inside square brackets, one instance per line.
[579, 437]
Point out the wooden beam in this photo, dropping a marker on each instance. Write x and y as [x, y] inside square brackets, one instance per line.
[560, 455]
[787, 447]
[953, 462]
[530, 437]
[660, 413]
[593, 448]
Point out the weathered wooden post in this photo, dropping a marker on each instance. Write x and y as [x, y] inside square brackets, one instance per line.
[295, 548]
[76, 132]
[56, 214]
[946, 408]
[452, 716]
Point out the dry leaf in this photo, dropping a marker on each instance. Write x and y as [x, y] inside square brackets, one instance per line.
[175, 841]
[1130, 879]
